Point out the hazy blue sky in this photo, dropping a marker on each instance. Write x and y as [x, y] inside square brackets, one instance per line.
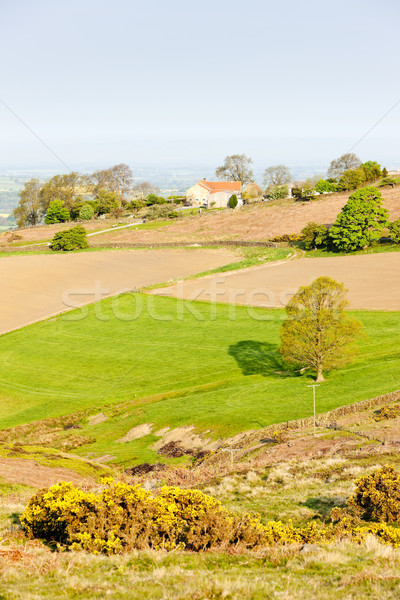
[164, 81]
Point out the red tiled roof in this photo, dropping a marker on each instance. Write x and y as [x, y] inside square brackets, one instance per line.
[221, 186]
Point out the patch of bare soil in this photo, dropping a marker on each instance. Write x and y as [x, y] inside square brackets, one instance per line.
[182, 439]
[137, 433]
[40, 286]
[29, 472]
[97, 419]
[370, 279]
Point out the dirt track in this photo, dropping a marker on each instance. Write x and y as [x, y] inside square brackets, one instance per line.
[35, 287]
[373, 281]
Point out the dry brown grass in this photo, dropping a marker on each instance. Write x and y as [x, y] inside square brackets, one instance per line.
[261, 221]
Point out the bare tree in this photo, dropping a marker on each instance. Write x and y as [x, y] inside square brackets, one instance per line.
[143, 189]
[236, 168]
[29, 211]
[342, 164]
[277, 175]
[117, 179]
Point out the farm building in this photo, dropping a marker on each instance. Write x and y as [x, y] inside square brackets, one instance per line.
[214, 194]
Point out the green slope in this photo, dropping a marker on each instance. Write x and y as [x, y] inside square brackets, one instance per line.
[176, 364]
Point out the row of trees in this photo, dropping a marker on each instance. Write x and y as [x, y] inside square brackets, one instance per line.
[345, 173]
[75, 196]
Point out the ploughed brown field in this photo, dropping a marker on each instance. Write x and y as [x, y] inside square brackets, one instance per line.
[38, 286]
[373, 281]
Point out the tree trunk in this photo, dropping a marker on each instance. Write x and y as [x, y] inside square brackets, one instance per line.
[320, 376]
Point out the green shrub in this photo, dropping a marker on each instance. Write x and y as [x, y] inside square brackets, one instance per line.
[278, 192]
[164, 211]
[360, 221]
[387, 181]
[137, 204]
[70, 239]
[325, 186]
[314, 236]
[154, 199]
[351, 179]
[377, 496]
[106, 202]
[75, 209]
[394, 230]
[372, 170]
[56, 213]
[304, 193]
[233, 201]
[86, 212]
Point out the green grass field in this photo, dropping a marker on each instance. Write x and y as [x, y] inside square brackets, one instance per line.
[375, 249]
[178, 363]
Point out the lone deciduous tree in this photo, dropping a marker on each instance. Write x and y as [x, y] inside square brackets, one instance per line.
[345, 162]
[29, 211]
[277, 175]
[236, 168]
[317, 334]
[117, 179]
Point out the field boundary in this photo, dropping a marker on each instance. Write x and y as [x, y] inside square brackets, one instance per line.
[327, 418]
[234, 243]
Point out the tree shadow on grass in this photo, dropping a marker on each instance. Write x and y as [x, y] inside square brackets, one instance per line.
[260, 358]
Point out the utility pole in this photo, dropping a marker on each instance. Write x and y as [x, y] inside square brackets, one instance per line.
[314, 385]
[231, 450]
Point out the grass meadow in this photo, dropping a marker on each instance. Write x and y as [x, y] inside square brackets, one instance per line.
[148, 359]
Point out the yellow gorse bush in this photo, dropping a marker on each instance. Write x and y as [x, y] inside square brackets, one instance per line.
[388, 412]
[377, 496]
[123, 517]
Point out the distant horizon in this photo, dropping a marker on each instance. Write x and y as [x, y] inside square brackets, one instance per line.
[52, 168]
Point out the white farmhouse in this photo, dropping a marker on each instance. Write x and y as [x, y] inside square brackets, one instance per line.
[215, 194]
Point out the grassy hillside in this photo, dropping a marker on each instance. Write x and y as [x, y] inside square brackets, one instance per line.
[297, 489]
[176, 364]
[259, 221]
